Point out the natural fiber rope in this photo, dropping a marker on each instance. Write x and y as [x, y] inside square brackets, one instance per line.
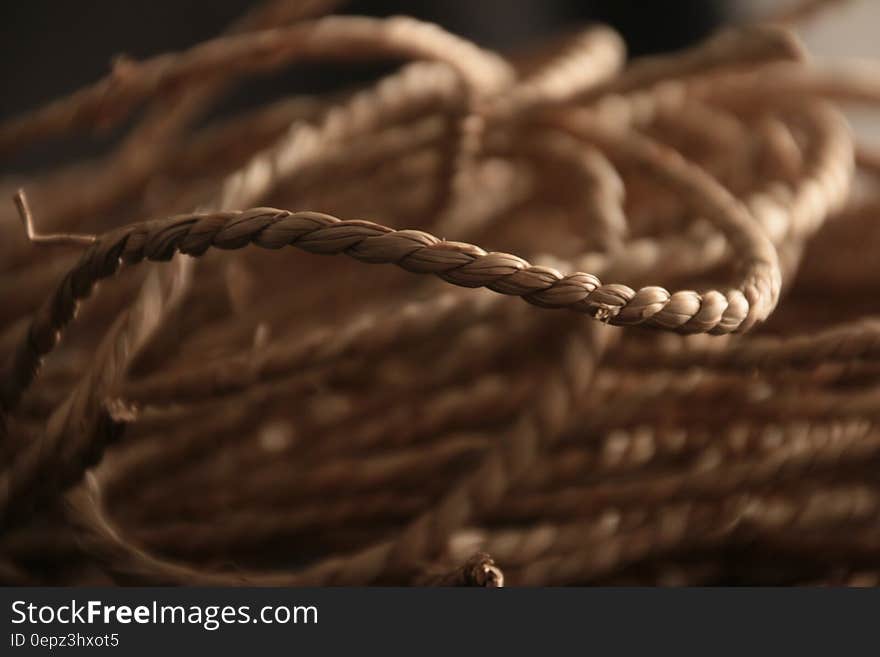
[322, 422]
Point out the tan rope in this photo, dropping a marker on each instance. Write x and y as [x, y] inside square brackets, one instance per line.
[277, 418]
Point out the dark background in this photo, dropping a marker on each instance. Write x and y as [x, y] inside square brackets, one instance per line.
[53, 47]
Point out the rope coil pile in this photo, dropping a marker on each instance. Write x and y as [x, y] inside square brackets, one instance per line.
[225, 411]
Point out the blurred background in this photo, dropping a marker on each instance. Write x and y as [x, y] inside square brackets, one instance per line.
[50, 48]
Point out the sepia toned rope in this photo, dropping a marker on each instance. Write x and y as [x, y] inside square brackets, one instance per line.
[352, 427]
[419, 252]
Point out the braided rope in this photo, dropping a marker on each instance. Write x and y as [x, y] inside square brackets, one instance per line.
[419, 252]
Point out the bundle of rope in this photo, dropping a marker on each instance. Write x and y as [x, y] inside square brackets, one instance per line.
[226, 411]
